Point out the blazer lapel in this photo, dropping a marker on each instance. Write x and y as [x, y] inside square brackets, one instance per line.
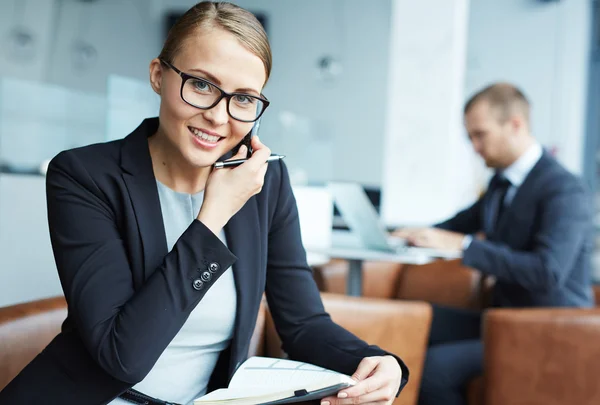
[523, 196]
[244, 240]
[138, 175]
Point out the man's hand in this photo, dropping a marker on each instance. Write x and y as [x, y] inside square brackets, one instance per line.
[378, 380]
[431, 238]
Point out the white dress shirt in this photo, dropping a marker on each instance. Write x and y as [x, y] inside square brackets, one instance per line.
[520, 169]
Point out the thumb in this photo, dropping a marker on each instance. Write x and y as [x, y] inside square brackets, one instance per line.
[256, 143]
[365, 368]
[241, 154]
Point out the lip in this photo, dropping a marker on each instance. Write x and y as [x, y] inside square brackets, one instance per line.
[206, 131]
[202, 143]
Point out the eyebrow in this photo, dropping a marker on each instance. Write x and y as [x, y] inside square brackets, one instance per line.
[216, 81]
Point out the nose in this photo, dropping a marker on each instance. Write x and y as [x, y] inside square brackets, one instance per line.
[218, 115]
[476, 146]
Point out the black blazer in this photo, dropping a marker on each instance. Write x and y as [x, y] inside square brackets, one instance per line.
[541, 251]
[128, 297]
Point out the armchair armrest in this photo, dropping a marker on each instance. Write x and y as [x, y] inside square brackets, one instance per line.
[541, 356]
[25, 329]
[399, 327]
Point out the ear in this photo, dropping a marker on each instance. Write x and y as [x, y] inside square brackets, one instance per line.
[156, 71]
[516, 123]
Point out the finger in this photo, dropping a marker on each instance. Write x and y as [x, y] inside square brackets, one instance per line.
[400, 233]
[364, 387]
[241, 154]
[413, 240]
[259, 157]
[366, 367]
[256, 143]
[382, 396]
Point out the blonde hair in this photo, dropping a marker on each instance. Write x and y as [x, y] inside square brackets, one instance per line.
[234, 19]
[506, 98]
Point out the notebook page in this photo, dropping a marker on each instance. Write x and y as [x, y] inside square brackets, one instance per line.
[230, 394]
[280, 374]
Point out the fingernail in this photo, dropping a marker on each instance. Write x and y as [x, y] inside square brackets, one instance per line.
[243, 149]
[343, 395]
[325, 403]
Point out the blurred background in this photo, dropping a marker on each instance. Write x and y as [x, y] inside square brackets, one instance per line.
[370, 92]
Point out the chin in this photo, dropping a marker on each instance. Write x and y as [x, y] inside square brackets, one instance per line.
[489, 163]
[200, 160]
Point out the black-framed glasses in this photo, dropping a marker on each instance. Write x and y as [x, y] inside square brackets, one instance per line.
[203, 94]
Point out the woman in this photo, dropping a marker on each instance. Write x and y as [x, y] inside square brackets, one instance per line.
[164, 260]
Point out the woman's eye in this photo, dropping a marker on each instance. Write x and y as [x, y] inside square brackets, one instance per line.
[240, 98]
[201, 85]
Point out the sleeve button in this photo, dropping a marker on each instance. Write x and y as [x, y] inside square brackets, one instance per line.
[213, 267]
[206, 276]
[198, 284]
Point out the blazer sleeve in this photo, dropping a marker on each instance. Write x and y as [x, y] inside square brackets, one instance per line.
[564, 226]
[467, 221]
[307, 332]
[124, 330]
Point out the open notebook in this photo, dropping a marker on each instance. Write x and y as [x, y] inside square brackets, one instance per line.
[263, 380]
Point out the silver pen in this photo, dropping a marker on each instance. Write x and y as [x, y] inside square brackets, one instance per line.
[237, 162]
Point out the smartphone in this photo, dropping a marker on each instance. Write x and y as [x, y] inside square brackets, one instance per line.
[247, 140]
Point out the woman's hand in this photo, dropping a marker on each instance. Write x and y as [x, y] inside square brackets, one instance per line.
[378, 381]
[227, 190]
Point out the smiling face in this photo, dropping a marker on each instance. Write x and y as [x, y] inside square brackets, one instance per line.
[200, 137]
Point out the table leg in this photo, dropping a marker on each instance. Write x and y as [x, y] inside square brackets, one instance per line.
[355, 276]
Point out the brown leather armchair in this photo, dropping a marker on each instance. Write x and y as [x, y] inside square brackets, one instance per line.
[532, 356]
[25, 329]
[545, 356]
[399, 327]
[441, 282]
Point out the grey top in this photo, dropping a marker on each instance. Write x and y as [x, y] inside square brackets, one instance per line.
[182, 372]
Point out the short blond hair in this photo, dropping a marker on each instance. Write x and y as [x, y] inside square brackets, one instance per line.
[506, 98]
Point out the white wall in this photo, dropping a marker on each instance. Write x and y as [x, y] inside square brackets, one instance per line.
[426, 168]
[328, 129]
[33, 18]
[543, 48]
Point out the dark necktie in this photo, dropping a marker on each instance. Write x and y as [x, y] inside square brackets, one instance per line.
[501, 187]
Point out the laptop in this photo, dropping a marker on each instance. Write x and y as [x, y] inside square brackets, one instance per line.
[362, 219]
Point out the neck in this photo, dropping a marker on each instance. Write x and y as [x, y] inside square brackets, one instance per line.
[172, 169]
[520, 149]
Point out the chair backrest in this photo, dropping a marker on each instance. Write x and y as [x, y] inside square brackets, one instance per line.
[380, 279]
[258, 339]
[541, 356]
[443, 282]
[25, 330]
[398, 327]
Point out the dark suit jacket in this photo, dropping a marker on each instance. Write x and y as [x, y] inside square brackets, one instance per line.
[128, 297]
[541, 250]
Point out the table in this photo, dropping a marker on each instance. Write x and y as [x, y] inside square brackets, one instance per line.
[356, 257]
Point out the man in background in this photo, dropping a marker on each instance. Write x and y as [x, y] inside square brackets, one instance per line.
[531, 231]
